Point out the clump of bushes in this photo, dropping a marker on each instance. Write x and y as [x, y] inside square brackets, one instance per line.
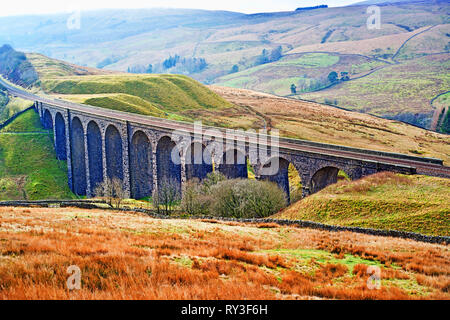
[237, 198]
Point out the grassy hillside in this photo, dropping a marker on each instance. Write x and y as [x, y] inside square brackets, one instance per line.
[9, 106]
[28, 166]
[48, 68]
[308, 72]
[172, 92]
[382, 201]
[205, 260]
[168, 96]
[16, 68]
[174, 97]
[118, 39]
[409, 87]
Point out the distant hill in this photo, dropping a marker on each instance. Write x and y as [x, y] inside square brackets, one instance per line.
[382, 201]
[270, 52]
[369, 2]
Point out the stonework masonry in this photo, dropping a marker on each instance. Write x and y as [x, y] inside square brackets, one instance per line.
[140, 155]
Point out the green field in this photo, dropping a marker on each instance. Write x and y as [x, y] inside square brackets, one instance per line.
[307, 71]
[311, 60]
[28, 166]
[383, 201]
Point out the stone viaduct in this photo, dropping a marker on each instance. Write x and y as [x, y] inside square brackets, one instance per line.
[97, 145]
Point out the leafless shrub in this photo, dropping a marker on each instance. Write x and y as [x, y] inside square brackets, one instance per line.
[166, 196]
[112, 191]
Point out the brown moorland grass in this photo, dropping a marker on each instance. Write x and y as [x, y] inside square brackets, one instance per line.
[365, 46]
[132, 256]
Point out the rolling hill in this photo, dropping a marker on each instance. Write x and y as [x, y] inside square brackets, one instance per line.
[382, 201]
[323, 123]
[235, 49]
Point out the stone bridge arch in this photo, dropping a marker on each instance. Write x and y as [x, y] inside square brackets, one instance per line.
[276, 169]
[141, 165]
[78, 158]
[234, 164]
[168, 168]
[323, 177]
[60, 137]
[198, 161]
[95, 154]
[113, 150]
[47, 120]
[325, 174]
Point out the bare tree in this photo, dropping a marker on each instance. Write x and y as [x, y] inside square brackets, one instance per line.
[112, 190]
[165, 196]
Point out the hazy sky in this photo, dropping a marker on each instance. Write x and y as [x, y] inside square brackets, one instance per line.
[8, 8]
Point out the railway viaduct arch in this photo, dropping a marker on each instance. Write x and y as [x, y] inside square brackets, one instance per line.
[97, 147]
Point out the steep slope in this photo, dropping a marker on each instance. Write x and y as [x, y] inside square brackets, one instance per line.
[28, 166]
[15, 67]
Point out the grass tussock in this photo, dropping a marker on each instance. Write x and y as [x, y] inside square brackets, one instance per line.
[131, 256]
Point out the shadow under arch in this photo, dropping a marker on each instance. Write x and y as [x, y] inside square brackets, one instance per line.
[78, 158]
[113, 150]
[60, 137]
[323, 177]
[47, 120]
[198, 161]
[285, 175]
[168, 169]
[95, 152]
[141, 166]
[234, 164]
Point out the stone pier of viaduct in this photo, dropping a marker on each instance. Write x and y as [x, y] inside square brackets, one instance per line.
[97, 147]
